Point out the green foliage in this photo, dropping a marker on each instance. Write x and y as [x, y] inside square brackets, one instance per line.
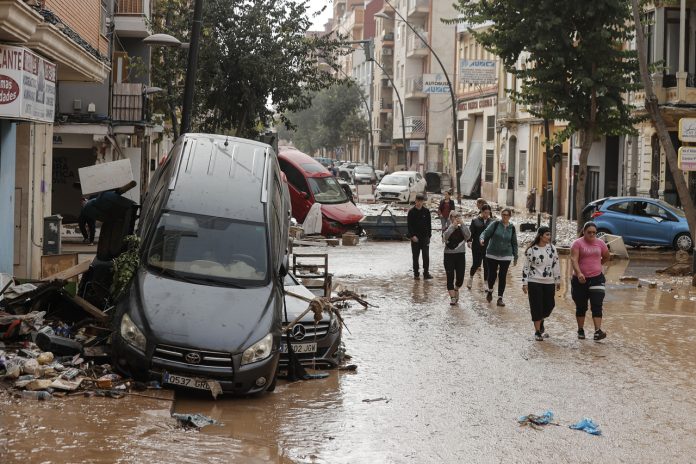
[125, 266]
[570, 58]
[255, 60]
[335, 117]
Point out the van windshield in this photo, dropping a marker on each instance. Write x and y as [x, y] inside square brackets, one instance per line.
[327, 190]
[210, 249]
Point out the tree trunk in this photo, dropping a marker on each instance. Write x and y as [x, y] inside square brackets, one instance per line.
[580, 200]
[653, 109]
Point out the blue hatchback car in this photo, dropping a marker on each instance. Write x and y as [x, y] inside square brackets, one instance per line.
[640, 221]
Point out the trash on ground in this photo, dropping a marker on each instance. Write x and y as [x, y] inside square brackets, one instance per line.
[587, 425]
[536, 421]
[373, 400]
[193, 420]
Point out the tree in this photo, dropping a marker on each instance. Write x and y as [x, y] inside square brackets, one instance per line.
[256, 59]
[334, 118]
[571, 61]
[653, 109]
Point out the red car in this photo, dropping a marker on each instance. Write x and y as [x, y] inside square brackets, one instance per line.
[310, 182]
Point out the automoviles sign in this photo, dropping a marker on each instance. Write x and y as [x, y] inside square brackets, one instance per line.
[27, 85]
[435, 83]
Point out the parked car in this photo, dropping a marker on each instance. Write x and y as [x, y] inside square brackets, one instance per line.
[326, 162]
[206, 301]
[314, 344]
[345, 171]
[402, 186]
[309, 182]
[363, 174]
[640, 221]
[379, 174]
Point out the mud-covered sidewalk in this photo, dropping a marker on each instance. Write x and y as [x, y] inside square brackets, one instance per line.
[434, 383]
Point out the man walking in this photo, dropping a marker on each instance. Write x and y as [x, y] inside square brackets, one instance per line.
[419, 231]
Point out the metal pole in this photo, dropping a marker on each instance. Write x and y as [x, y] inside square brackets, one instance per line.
[454, 100]
[556, 199]
[191, 67]
[401, 105]
[549, 168]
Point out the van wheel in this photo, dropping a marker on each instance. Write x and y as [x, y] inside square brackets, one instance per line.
[683, 242]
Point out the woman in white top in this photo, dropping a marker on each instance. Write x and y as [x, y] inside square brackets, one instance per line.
[541, 277]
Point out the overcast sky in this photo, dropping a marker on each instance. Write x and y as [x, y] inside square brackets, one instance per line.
[315, 5]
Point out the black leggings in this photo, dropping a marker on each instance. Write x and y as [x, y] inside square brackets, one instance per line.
[493, 266]
[541, 300]
[478, 258]
[592, 290]
[455, 263]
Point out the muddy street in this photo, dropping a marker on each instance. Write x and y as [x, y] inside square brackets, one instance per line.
[434, 383]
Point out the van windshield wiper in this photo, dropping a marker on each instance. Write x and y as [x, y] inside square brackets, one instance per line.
[196, 279]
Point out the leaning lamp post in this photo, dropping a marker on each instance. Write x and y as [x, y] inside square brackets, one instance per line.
[451, 90]
[170, 41]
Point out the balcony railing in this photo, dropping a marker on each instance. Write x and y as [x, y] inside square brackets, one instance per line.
[670, 80]
[385, 105]
[388, 36]
[418, 7]
[414, 87]
[415, 127]
[127, 103]
[506, 109]
[132, 7]
[416, 46]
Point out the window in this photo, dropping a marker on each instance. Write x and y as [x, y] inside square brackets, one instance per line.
[209, 250]
[460, 129]
[489, 165]
[490, 129]
[649, 26]
[522, 174]
[295, 177]
[622, 207]
[104, 16]
[327, 190]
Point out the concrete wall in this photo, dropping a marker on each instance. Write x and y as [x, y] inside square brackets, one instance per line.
[97, 93]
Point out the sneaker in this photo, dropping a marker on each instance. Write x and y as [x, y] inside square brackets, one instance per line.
[538, 337]
[453, 300]
[469, 283]
[581, 334]
[500, 301]
[427, 276]
[543, 330]
[599, 335]
[456, 298]
[489, 296]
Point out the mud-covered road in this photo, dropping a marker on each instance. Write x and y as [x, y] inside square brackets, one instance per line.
[442, 384]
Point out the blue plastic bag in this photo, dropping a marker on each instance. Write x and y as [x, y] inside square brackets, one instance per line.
[533, 419]
[587, 425]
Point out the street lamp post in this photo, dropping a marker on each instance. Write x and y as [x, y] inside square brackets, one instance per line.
[451, 89]
[401, 105]
[191, 67]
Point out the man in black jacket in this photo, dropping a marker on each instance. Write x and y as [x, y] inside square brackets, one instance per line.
[419, 231]
[478, 252]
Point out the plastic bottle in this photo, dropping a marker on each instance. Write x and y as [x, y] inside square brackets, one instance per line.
[37, 395]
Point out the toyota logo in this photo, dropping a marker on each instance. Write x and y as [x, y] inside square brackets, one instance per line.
[193, 358]
[298, 332]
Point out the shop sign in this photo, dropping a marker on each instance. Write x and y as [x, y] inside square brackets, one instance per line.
[478, 72]
[687, 158]
[435, 83]
[687, 129]
[27, 85]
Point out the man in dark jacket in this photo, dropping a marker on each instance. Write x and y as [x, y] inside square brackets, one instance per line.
[478, 252]
[419, 231]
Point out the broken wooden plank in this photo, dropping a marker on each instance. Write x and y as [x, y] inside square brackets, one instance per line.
[70, 272]
[90, 308]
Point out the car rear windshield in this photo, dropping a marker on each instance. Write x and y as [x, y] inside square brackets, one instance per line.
[363, 170]
[395, 180]
[327, 190]
[209, 249]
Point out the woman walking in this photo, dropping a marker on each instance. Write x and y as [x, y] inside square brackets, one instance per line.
[444, 209]
[456, 236]
[541, 277]
[588, 254]
[478, 253]
[500, 241]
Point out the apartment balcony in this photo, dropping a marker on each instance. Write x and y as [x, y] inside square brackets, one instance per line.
[127, 103]
[414, 88]
[385, 106]
[675, 92]
[507, 109]
[131, 18]
[415, 47]
[418, 8]
[387, 38]
[383, 139]
[415, 127]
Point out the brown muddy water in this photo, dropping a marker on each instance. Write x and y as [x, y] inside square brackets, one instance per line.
[442, 384]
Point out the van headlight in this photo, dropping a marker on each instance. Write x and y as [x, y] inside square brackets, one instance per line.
[258, 351]
[132, 334]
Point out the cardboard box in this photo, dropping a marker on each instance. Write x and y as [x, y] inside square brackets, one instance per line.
[349, 239]
[105, 176]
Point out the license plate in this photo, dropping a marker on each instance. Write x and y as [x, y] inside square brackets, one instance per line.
[299, 348]
[181, 381]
